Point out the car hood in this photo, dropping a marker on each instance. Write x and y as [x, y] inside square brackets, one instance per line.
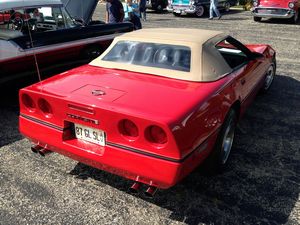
[274, 3]
[81, 9]
[138, 94]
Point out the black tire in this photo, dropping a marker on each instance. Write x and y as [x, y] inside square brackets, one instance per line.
[295, 18]
[200, 10]
[176, 14]
[257, 19]
[218, 159]
[159, 8]
[227, 7]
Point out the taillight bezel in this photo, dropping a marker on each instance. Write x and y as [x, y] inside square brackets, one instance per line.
[124, 127]
[150, 130]
[28, 102]
[45, 107]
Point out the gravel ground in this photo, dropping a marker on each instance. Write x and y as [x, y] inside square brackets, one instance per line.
[260, 186]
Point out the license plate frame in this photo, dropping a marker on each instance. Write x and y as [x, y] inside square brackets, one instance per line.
[90, 134]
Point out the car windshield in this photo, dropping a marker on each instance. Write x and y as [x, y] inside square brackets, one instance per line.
[36, 19]
[174, 57]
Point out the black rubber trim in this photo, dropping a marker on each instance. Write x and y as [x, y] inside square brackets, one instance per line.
[199, 147]
[43, 122]
[143, 152]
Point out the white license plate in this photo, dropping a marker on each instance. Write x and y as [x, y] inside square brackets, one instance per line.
[90, 134]
[178, 11]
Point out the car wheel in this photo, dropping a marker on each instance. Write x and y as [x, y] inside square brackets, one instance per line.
[227, 6]
[176, 14]
[217, 160]
[257, 19]
[159, 8]
[226, 138]
[200, 10]
[269, 77]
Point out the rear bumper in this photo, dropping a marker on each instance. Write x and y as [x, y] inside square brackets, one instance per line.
[273, 12]
[160, 172]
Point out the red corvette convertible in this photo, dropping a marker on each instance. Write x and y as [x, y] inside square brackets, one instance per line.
[152, 107]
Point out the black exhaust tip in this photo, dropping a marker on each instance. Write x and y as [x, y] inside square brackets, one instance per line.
[36, 148]
[44, 152]
[150, 192]
[135, 188]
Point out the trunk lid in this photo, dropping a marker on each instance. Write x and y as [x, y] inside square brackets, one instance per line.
[141, 95]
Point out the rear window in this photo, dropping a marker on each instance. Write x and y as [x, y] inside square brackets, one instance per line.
[174, 57]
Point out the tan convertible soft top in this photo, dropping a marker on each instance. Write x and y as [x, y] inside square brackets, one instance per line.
[207, 64]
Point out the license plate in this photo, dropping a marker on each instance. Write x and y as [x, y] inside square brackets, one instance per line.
[90, 134]
[178, 11]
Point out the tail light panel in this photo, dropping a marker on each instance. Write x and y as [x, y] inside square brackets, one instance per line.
[156, 135]
[45, 107]
[128, 129]
[28, 102]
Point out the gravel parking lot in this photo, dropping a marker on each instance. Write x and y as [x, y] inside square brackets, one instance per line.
[261, 185]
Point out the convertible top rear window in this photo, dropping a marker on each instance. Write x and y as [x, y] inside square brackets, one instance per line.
[165, 56]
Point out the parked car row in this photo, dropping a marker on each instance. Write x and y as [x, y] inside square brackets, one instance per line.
[199, 84]
[283, 9]
[44, 31]
[150, 109]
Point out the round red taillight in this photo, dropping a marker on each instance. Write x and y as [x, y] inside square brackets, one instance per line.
[45, 107]
[28, 102]
[128, 128]
[156, 135]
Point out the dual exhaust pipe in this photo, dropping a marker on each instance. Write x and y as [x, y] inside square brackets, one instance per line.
[150, 191]
[40, 150]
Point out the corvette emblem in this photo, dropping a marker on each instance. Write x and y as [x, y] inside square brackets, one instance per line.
[98, 92]
[82, 118]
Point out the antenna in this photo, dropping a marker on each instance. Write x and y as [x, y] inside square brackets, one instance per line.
[32, 45]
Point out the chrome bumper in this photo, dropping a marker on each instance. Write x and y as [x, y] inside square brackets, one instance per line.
[273, 12]
[182, 9]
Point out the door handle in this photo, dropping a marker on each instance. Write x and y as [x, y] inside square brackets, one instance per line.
[243, 81]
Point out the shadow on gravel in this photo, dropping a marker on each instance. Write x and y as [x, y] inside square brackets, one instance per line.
[261, 184]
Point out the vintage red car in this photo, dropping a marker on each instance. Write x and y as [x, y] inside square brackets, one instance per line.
[283, 9]
[152, 107]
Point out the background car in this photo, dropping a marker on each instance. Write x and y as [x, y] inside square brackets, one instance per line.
[150, 108]
[282, 9]
[195, 7]
[157, 5]
[44, 32]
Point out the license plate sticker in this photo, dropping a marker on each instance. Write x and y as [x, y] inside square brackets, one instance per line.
[89, 134]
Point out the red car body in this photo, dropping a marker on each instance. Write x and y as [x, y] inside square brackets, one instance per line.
[186, 115]
[283, 9]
